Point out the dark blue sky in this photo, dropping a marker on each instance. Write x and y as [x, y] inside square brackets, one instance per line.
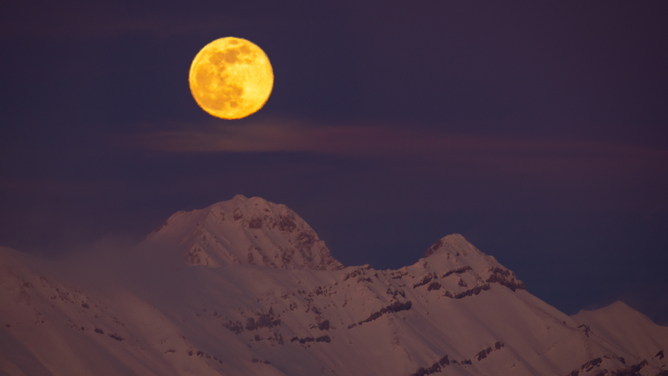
[539, 131]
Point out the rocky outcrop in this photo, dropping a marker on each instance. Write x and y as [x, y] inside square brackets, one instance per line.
[439, 365]
[506, 278]
[394, 307]
[471, 292]
[461, 270]
[436, 367]
[483, 353]
[597, 364]
[304, 340]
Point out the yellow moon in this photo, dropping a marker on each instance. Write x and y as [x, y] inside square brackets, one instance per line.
[231, 78]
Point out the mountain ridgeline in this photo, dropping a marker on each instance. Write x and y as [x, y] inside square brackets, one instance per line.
[246, 287]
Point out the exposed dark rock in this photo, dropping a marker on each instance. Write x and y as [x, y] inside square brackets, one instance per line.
[434, 286]
[197, 256]
[631, 371]
[394, 307]
[264, 320]
[501, 271]
[506, 278]
[639, 366]
[659, 355]
[457, 271]
[474, 291]
[426, 279]
[255, 223]
[433, 249]
[394, 293]
[483, 353]
[398, 274]
[234, 326]
[590, 365]
[436, 367]
[585, 328]
[304, 340]
[278, 337]
[116, 337]
[324, 325]
[356, 272]
[98, 330]
[287, 224]
[319, 290]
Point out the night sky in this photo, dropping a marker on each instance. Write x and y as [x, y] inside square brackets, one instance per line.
[538, 130]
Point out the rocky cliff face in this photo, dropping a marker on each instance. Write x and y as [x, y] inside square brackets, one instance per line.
[251, 290]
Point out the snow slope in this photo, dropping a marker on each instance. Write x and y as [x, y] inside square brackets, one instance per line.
[245, 287]
[627, 330]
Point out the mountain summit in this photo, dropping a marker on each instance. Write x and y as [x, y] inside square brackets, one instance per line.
[244, 230]
[250, 290]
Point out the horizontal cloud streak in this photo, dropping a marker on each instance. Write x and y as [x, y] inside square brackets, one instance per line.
[564, 165]
[374, 140]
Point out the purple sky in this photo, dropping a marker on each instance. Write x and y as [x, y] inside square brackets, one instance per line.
[537, 131]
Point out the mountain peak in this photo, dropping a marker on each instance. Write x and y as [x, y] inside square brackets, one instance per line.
[453, 243]
[245, 230]
[455, 255]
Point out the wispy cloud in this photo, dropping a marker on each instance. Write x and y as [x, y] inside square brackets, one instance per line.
[554, 160]
[371, 140]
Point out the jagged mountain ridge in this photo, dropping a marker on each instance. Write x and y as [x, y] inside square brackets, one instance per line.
[456, 311]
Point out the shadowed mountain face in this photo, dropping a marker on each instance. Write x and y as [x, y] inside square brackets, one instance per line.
[245, 287]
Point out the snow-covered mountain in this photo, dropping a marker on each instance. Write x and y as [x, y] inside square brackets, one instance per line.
[243, 230]
[245, 287]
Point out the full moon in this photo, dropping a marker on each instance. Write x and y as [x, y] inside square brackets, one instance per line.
[231, 78]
